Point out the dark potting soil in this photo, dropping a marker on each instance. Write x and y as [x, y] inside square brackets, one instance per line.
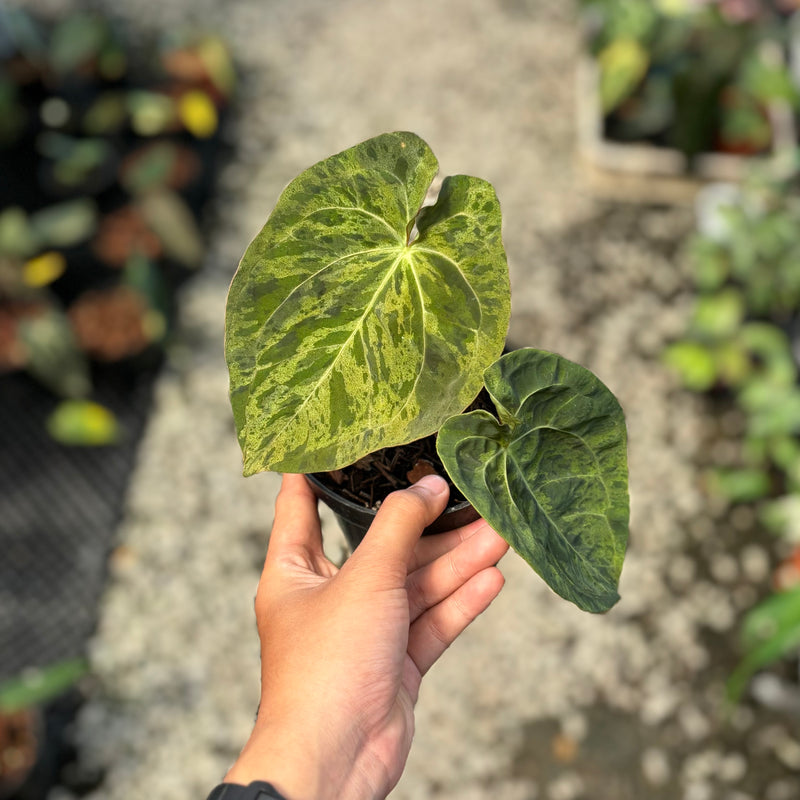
[373, 477]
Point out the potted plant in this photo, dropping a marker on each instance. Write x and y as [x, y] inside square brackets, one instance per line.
[23, 727]
[680, 90]
[741, 343]
[107, 159]
[361, 319]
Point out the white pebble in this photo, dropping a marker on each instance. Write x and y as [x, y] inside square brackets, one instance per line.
[682, 570]
[755, 563]
[655, 766]
[733, 768]
[693, 723]
[568, 786]
[788, 752]
[724, 568]
[574, 726]
[782, 789]
[698, 791]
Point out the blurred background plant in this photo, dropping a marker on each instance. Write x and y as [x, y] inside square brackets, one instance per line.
[743, 341]
[107, 152]
[110, 140]
[22, 724]
[698, 76]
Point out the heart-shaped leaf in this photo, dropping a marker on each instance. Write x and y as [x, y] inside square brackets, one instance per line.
[345, 332]
[551, 476]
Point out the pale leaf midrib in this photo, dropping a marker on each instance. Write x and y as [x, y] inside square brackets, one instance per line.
[409, 257]
[371, 305]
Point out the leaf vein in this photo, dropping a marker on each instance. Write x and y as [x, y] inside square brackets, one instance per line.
[356, 328]
[319, 272]
[582, 558]
[361, 211]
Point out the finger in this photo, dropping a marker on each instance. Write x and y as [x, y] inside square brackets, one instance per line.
[429, 548]
[296, 526]
[439, 627]
[390, 540]
[436, 581]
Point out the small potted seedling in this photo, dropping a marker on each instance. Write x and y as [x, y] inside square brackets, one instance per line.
[362, 319]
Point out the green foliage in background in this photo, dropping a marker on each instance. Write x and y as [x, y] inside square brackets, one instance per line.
[696, 76]
[742, 339]
[89, 126]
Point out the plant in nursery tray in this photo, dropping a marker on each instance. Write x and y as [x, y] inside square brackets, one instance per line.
[361, 318]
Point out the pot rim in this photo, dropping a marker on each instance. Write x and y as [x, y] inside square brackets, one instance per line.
[312, 478]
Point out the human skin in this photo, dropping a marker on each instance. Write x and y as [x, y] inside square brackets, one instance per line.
[343, 651]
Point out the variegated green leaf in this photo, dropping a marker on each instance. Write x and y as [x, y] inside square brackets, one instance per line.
[551, 475]
[345, 331]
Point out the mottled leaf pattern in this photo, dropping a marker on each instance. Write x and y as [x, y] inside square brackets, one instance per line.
[551, 475]
[344, 335]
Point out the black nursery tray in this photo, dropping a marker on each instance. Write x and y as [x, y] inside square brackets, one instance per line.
[60, 504]
[59, 507]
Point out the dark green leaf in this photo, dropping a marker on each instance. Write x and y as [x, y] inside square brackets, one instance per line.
[150, 168]
[76, 158]
[12, 112]
[146, 278]
[551, 476]
[343, 335]
[21, 32]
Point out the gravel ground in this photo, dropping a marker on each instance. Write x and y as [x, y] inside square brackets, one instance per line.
[537, 699]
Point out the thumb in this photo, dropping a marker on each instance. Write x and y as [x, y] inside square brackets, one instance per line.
[390, 540]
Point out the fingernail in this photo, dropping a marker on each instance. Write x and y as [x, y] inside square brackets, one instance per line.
[432, 484]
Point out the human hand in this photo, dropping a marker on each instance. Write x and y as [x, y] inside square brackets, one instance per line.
[343, 651]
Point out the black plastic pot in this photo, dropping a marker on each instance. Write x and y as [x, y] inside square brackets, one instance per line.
[355, 519]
